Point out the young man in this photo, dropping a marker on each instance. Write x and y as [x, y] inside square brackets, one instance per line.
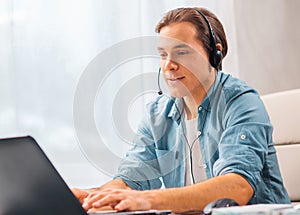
[211, 139]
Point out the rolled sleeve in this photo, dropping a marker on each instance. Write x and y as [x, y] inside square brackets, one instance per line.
[140, 169]
[243, 150]
[244, 143]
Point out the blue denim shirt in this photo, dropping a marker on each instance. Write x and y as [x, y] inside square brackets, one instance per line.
[235, 137]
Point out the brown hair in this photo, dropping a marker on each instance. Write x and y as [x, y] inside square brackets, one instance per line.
[193, 16]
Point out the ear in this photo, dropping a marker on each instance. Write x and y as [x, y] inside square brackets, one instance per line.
[219, 47]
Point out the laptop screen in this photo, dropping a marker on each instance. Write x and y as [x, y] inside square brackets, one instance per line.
[29, 184]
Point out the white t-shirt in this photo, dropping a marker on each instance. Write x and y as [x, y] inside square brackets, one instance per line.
[193, 150]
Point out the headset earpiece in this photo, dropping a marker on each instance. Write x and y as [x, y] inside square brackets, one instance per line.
[215, 56]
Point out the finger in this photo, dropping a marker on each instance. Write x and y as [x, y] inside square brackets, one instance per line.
[90, 199]
[107, 193]
[86, 205]
[96, 194]
[124, 205]
[79, 194]
[90, 196]
[110, 199]
[106, 208]
[94, 197]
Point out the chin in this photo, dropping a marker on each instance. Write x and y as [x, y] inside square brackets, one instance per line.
[177, 94]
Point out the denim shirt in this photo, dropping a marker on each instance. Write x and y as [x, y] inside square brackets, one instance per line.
[235, 136]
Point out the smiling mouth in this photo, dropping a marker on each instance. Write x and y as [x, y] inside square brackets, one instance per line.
[176, 79]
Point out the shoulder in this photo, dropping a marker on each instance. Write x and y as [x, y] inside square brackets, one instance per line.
[158, 117]
[161, 105]
[239, 99]
[234, 88]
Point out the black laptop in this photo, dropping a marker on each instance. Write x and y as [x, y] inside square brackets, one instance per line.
[29, 183]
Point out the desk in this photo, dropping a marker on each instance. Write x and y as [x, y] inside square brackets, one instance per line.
[261, 209]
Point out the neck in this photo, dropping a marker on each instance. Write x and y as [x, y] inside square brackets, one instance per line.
[191, 105]
[193, 100]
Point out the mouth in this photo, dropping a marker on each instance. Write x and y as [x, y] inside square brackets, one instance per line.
[175, 79]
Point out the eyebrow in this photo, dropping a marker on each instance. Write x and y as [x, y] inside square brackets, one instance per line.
[175, 47]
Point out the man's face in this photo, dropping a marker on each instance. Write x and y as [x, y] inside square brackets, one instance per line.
[184, 63]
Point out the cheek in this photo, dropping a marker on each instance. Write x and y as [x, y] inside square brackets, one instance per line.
[161, 63]
[199, 75]
[192, 65]
[197, 64]
[188, 63]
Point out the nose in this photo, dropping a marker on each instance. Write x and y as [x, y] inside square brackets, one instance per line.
[170, 65]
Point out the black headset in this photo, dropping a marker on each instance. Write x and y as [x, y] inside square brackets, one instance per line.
[215, 56]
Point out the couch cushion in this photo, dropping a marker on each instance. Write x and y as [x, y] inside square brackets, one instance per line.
[284, 111]
[289, 163]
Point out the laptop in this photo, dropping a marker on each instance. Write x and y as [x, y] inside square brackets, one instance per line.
[30, 184]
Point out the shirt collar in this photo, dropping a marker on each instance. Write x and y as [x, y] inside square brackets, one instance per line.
[206, 103]
[177, 109]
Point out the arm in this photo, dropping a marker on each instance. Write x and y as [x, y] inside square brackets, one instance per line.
[196, 197]
[193, 197]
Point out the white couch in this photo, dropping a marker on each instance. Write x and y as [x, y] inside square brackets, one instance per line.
[284, 111]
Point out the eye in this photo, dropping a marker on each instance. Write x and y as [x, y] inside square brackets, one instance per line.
[163, 55]
[182, 52]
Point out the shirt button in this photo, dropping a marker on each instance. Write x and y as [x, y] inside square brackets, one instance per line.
[199, 133]
[202, 165]
[243, 136]
[200, 108]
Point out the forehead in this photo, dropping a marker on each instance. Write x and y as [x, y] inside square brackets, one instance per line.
[178, 33]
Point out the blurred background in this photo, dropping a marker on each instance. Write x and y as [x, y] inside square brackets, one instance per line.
[46, 46]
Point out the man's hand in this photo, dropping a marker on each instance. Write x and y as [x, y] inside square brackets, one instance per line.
[118, 199]
[80, 194]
